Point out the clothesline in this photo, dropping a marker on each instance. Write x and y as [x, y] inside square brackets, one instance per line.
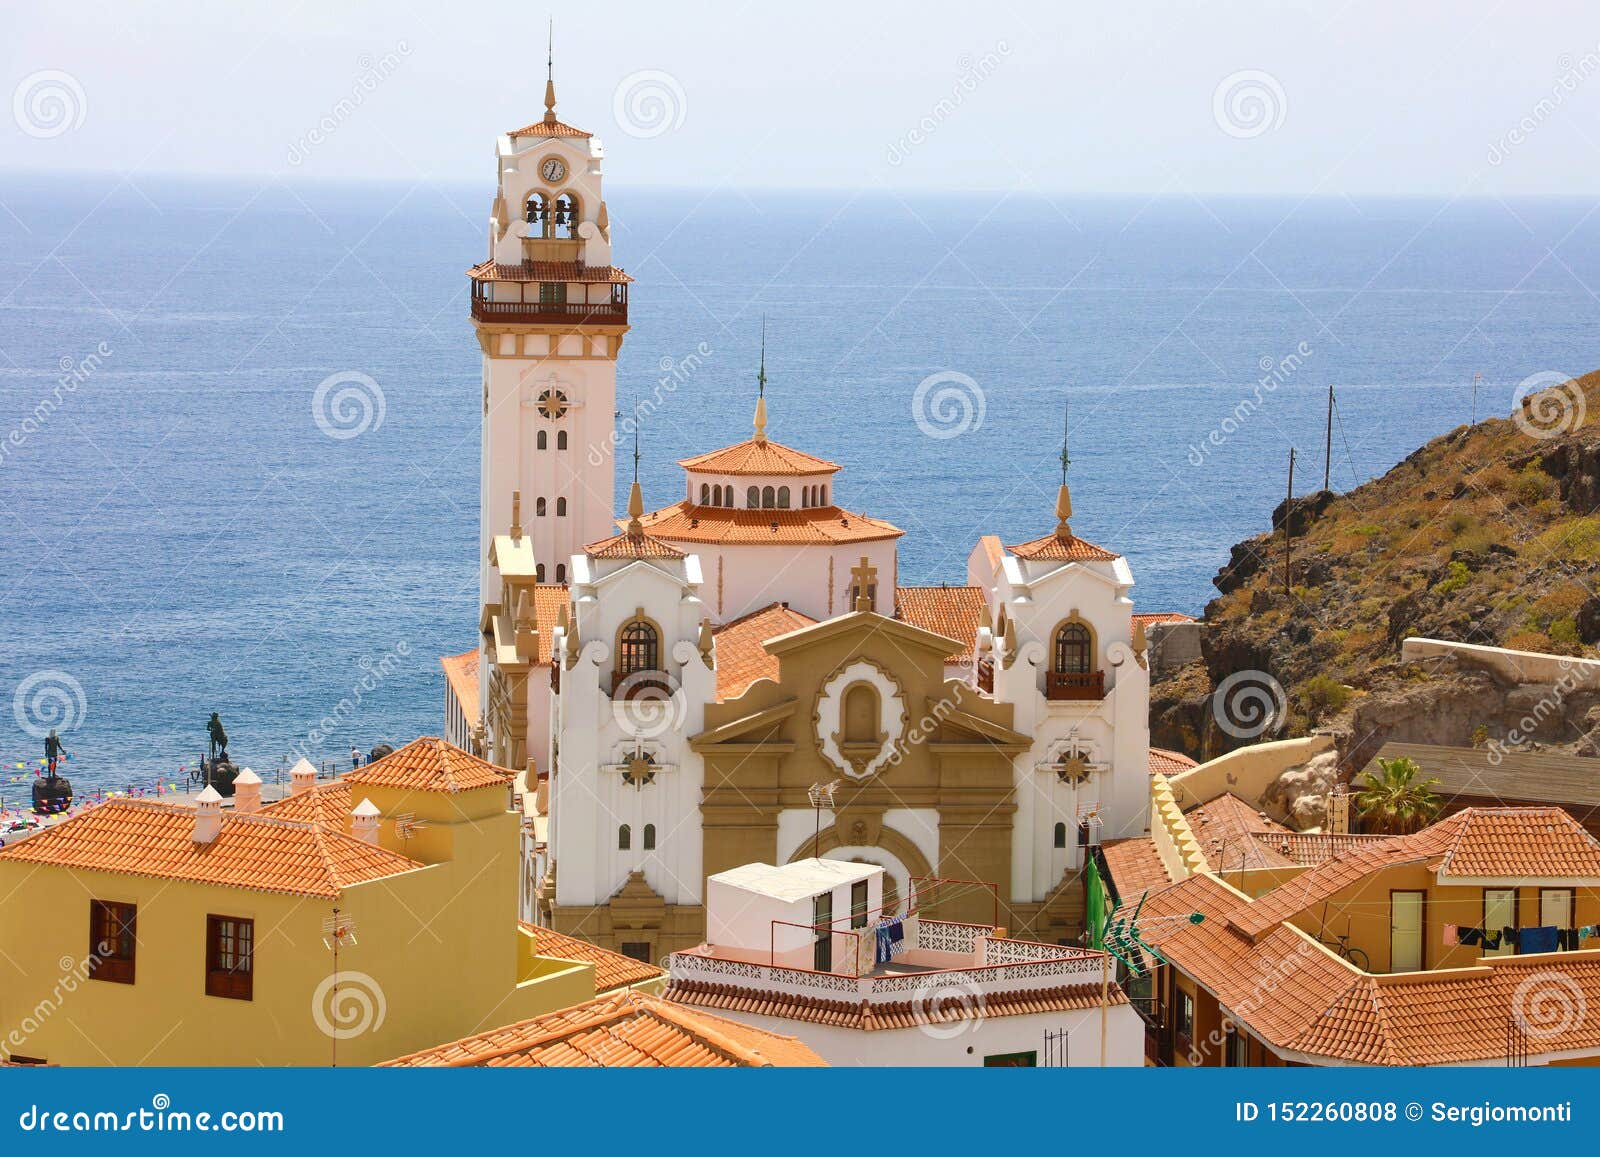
[1530, 939]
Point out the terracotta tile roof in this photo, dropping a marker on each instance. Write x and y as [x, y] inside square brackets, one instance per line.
[529, 271]
[741, 659]
[1226, 828]
[1477, 843]
[953, 612]
[622, 1030]
[548, 128]
[752, 457]
[1151, 618]
[548, 599]
[878, 1017]
[430, 764]
[1135, 867]
[1164, 762]
[461, 673]
[611, 969]
[1053, 549]
[1302, 999]
[632, 546]
[1308, 848]
[819, 526]
[1542, 842]
[328, 804]
[262, 853]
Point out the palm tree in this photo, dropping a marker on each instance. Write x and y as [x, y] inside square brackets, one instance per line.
[1394, 801]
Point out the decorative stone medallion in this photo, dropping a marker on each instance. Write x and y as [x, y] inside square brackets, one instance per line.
[859, 756]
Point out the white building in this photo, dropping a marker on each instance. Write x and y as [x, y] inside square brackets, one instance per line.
[797, 949]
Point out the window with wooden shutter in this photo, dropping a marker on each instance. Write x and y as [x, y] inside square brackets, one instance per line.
[230, 957]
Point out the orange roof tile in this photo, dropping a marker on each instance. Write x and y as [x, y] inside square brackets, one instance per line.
[461, 673]
[953, 612]
[1309, 848]
[741, 659]
[529, 271]
[1151, 618]
[548, 599]
[1135, 867]
[627, 545]
[1053, 549]
[328, 804]
[611, 969]
[752, 457]
[262, 853]
[430, 764]
[1164, 762]
[1226, 828]
[818, 526]
[866, 1017]
[548, 128]
[622, 1030]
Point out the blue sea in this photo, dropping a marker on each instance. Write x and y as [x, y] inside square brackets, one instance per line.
[179, 535]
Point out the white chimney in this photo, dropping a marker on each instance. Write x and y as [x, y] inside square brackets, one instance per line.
[207, 816]
[364, 822]
[247, 793]
[302, 777]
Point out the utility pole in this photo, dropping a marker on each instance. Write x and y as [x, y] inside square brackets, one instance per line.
[1288, 523]
[1327, 444]
[1476, 378]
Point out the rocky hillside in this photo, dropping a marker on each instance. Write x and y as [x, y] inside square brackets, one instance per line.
[1489, 534]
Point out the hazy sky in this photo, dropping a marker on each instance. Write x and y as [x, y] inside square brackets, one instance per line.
[1396, 96]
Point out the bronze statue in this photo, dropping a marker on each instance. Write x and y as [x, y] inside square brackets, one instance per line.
[52, 749]
[219, 737]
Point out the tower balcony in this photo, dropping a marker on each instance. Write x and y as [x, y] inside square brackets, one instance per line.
[1075, 685]
[550, 312]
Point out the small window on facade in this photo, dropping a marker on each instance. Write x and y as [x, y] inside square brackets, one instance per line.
[624, 838]
[1061, 835]
[552, 292]
[824, 501]
[1183, 1021]
[561, 508]
[113, 941]
[649, 837]
[538, 573]
[561, 572]
[1072, 650]
[539, 508]
[783, 498]
[768, 497]
[637, 949]
[752, 497]
[640, 648]
[230, 957]
[705, 495]
[543, 440]
[858, 904]
[561, 439]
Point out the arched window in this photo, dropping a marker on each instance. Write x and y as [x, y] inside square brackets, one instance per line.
[624, 838]
[561, 439]
[783, 498]
[543, 441]
[538, 508]
[859, 713]
[823, 499]
[1061, 835]
[538, 216]
[649, 837]
[705, 494]
[752, 497]
[561, 508]
[538, 573]
[638, 648]
[1073, 650]
[561, 572]
[566, 216]
[768, 497]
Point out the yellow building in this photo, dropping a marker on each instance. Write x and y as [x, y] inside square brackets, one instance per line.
[1472, 941]
[347, 923]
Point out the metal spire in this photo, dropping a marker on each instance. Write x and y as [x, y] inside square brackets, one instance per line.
[1063, 498]
[550, 74]
[761, 387]
[1066, 458]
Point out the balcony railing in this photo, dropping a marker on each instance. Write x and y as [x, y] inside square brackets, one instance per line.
[550, 312]
[641, 684]
[1075, 685]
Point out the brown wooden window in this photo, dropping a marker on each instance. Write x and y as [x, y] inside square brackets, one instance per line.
[858, 904]
[1072, 650]
[113, 941]
[230, 957]
[640, 648]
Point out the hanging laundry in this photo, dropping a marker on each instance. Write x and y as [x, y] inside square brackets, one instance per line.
[1544, 938]
[1509, 936]
[1450, 936]
[1491, 941]
[1468, 937]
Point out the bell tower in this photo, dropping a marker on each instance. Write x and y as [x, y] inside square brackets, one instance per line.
[550, 311]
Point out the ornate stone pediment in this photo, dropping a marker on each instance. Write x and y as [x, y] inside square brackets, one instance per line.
[860, 715]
